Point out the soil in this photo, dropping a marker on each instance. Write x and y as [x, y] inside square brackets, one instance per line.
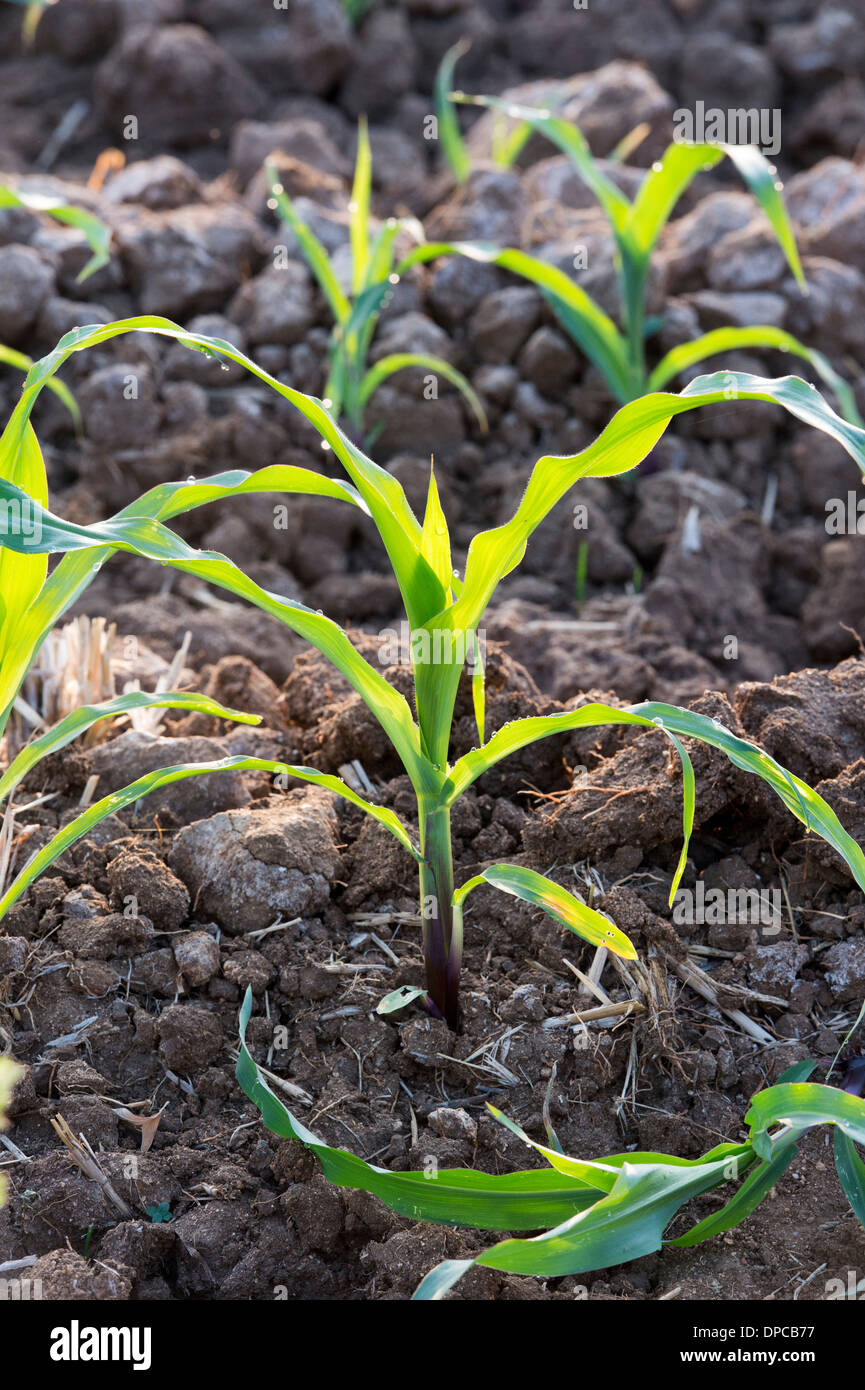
[123, 968]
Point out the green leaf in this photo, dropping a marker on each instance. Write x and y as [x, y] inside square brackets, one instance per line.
[756, 1186]
[449, 133]
[382, 493]
[542, 892]
[586, 322]
[661, 190]
[359, 208]
[435, 537]
[151, 781]
[762, 180]
[399, 998]
[60, 389]
[150, 539]
[98, 236]
[507, 146]
[398, 361]
[851, 1172]
[380, 489]
[571, 141]
[314, 253]
[22, 567]
[626, 1223]
[168, 500]
[479, 696]
[800, 1071]
[602, 1173]
[681, 162]
[85, 716]
[508, 1201]
[686, 355]
[804, 803]
[625, 442]
[797, 1107]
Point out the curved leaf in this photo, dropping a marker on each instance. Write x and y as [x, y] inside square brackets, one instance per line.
[542, 892]
[151, 781]
[383, 494]
[12, 358]
[627, 439]
[800, 799]
[571, 141]
[584, 319]
[398, 361]
[624, 1224]
[22, 567]
[746, 1199]
[314, 253]
[85, 716]
[449, 133]
[509, 1201]
[686, 355]
[800, 1106]
[98, 236]
[150, 539]
[804, 803]
[851, 1172]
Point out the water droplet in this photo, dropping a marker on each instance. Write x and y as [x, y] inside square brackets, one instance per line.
[657, 167]
[190, 479]
[393, 278]
[325, 446]
[327, 403]
[277, 188]
[272, 204]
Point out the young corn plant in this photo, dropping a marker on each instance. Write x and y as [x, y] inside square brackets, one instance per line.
[506, 144]
[620, 353]
[356, 310]
[593, 1213]
[444, 611]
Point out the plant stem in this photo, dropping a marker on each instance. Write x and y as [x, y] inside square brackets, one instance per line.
[442, 936]
[633, 281]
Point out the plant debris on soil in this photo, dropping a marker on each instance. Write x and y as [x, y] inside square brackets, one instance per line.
[136, 1169]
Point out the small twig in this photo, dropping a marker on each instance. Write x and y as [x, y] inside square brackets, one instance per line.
[83, 1157]
[627, 1008]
